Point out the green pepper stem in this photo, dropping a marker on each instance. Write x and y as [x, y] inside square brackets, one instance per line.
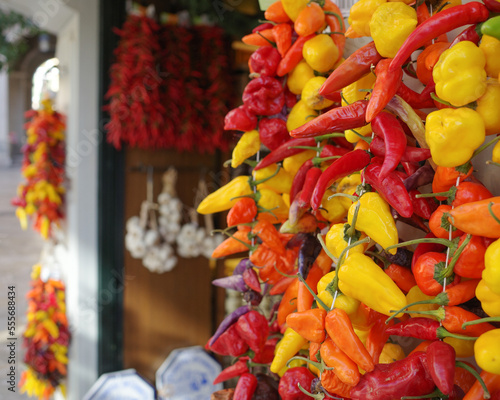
[444, 242]
[463, 365]
[319, 160]
[442, 333]
[271, 43]
[367, 139]
[323, 245]
[490, 209]
[328, 136]
[435, 393]
[485, 146]
[441, 299]
[443, 194]
[439, 313]
[378, 257]
[314, 295]
[304, 147]
[449, 269]
[352, 229]
[349, 196]
[435, 97]
[480, 321]
[344, 252]
[339, 17]
[493, 163]
[225, 232]
[320, 365]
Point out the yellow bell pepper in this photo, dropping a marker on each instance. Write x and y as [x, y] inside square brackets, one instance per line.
[488, 106]
[336, 242]
[490, 301]
[375, 219]
[321, 53]
[299, 115]
[390, 25]
[286, 348]
[299, 76]
[486, 351]
[463, 348]
[225, 197]
[495, 155]
[453, 135]
[491, 49]
[360, 15]
[415, 294]
[361, 278]
[459, 74]
[390, 353]
[332, 208]
[280, 183]
[247, 146]
[491, 272]
[311, 96]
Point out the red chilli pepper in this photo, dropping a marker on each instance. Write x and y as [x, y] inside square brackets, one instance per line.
[349, 163]
[264, 61]
[233, 371]
[420, 328]
[243, 211]
[391, 188]
[253, 328]
[417, 100]
[273, 132]
[423, 207]
[353, 68]
[246, 386]
[264, 96]
[411, 154]
[440, 23]
[287, 149]
[251, 279]
[240, 119]
[470, 34]
[337, 119]
[385, 87]
[293, 56]
[387, 126]
[299, 179]
[492, 5]
[377, 337]
[312, 177]
[441, 365]
[229, 343]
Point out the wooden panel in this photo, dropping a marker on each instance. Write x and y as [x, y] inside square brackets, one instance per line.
[175, 309]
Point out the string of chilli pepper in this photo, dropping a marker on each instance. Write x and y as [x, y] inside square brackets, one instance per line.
[350, 154]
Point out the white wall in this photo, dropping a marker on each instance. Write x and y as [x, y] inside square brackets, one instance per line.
[4, 120]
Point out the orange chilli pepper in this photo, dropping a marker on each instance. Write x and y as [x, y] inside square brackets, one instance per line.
[288, 302]
[243, 211]
[477, 218]
[476, 392]
[261, 38]
[446, 177]
[340, 330]
[336, 23]
[334, 385]
[283, 37]
[345, 369]
[423, 15]
[310, 20]
[403, 277]
[422, 346]
[427, 59]
[439, 224]
[310, 324]
[324, 262]
[293, 56]
[276, 13]
[236, 244]
[304, 298]
[266, 231]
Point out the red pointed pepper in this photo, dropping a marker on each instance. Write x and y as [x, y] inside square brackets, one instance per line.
[233, 371]
[441, 364]
[253, 328]
[293, 56]
[285, 150]
[246, 386]
[411, 154]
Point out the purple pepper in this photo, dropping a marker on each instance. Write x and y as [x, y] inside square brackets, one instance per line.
[233, 282]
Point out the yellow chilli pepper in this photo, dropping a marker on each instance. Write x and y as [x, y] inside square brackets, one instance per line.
[287, 347]
[270, 200]
[459, 74]
[390, 25]
[332, 208]
[311, 96]
[361, 278]
[488, 106]
[491, 49]
[335, 241]
[225, 197]
[453, 135]
[360, 15]
[375, 219]
[348, 185]
[349, 304]
[299, 115]
[491, 272]
[463, 348]
[490, 301]
[486, 351]
[415, 294]
[495, 155]
[280, 183]
[247, 146]
[390, 353]
[293, 163]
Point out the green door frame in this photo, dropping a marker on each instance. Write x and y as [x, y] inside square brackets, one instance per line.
[111, 208]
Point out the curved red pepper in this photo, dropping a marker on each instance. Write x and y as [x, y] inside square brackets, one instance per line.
[391, 188]
[289, 383]
[442, 22]
[470, 34]
[312, 177]
[253, 328]
[353, 68]
[441, 365]
[233, 371]
[264, 96]
[387, 126]
[287, 149]
[417, 100]
[299, 179]
[385, 87]
[337, 119]
[423, 207]
[492, 5]
[246, 386]
[273, 132]
[330, 150]
[411, 154]
[349, 163]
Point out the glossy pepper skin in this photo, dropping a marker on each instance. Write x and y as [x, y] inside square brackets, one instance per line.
[453, 135]
[491, 273]
[429, 272]
[361, 278]
[289, 383]
[442, 22]
[334, 357]
[441, 365]
[491, 27]
[253, 328]
[490, 301]
[225, 197]
[293, 56]
[475, 218]
[310, 324]
[247, 146]
[407, 377]
[240, 119]
[486, 350]
[285, 150]
[264, 96]
[246, 386]
[286, 348]
[273, 132]
[340, 168]
[264, 61]
[243, 211]
[375, 219]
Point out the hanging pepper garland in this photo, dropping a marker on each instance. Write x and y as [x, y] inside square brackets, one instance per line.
[46, 338]
[169, 87]
[41, 197]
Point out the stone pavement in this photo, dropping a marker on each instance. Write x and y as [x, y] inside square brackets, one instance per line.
[19, 250]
